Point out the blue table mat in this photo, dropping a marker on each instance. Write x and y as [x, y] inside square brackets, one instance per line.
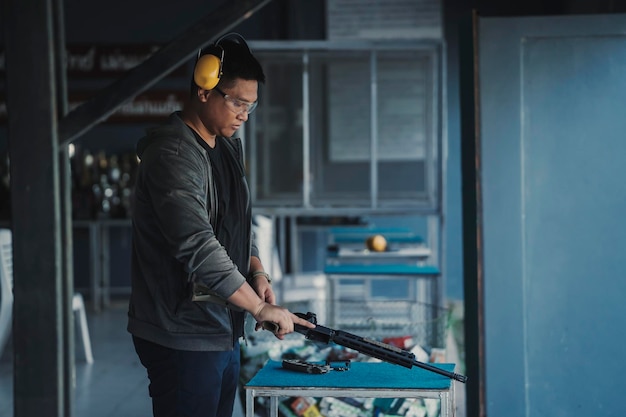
[370, 375]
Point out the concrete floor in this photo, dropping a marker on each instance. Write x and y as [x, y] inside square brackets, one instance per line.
[115, 385]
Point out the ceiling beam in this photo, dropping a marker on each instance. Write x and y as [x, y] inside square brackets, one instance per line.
[159, 65]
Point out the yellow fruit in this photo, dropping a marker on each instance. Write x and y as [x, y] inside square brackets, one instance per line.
[376, 243]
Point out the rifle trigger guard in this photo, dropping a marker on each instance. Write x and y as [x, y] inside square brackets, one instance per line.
[306, 367]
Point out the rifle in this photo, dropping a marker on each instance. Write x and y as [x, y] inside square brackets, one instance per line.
[373, 348]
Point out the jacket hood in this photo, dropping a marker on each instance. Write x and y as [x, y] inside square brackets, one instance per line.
[173, 124]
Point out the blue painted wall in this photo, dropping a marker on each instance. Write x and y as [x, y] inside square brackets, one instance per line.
[552, 147]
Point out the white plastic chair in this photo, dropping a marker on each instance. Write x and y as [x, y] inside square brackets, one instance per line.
[6, 286]
[78, 305]
[6, 298]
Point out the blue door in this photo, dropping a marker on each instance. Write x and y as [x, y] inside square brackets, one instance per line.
[552, 119]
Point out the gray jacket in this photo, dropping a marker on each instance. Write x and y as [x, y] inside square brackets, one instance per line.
[176, 257]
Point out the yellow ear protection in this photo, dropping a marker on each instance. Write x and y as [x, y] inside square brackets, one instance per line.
[208, 69]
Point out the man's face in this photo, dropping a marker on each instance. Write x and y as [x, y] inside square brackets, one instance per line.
[227, 108]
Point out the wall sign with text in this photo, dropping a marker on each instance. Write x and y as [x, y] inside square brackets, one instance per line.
[104, 61]
[146, 107]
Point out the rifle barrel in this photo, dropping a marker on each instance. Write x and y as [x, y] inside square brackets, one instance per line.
[388, 353]
[460, 378]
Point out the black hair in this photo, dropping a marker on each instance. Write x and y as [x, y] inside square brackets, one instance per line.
[238, 63]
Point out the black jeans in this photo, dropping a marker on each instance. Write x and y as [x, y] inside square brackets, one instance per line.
[190, 384]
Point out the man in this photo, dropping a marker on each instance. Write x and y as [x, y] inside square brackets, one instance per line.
[195, 267]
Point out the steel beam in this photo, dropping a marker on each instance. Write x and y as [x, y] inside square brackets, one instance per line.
[65, 179]
[33, 148]
[165, 60]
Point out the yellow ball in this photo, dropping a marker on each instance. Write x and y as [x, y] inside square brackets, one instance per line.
[376, 243]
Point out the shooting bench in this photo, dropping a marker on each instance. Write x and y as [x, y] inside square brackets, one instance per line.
[363, 380]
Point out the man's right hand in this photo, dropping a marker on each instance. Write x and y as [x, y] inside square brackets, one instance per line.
[283, 318]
